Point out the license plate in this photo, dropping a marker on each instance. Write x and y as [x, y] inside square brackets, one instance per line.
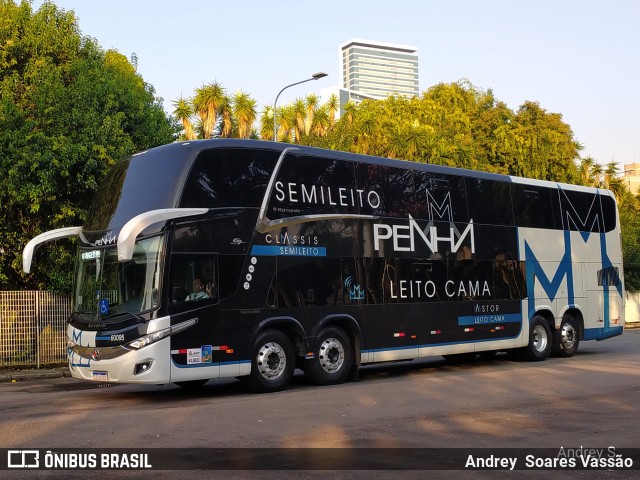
[100, 376]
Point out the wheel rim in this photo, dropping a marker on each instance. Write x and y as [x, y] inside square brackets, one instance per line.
[540, 339]
[331, 355]
[271, 361]
[569, 336]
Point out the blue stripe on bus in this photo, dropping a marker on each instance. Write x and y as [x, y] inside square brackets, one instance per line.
[281, 250]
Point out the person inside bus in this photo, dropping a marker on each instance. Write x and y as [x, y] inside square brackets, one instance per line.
[198, 290]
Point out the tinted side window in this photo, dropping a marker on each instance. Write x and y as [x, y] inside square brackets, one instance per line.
[308, 282]
[194, 278]
[393, 187]
[380, 273]
[609, 212]
[508, 278]
[309, 185]
[534, 206]
[489, 202]
[229, 177]
[441, 197]
[580, 211]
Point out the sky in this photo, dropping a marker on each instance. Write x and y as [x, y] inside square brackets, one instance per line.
[579, 58]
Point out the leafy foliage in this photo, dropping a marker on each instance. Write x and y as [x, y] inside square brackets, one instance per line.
[68, 111]
[459, 125]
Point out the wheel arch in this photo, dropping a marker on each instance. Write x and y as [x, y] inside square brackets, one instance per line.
[548, 317]
[290, 326]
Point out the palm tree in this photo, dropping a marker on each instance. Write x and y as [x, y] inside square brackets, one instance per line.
[300, 110]
[416, 138]
[207, 103]
[610, 173]
[333, 105]
[266, 123]
[226, 112]
[183, 111]
[586, 164]
[366, 128]
[618, 187]
[350, 110]
[287, 119]
[596, 175]
[397, 143]
[244, 110]
[312, 102]
[321, 122]
[199, 129]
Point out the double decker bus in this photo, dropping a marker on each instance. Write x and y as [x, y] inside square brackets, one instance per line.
[240, 258]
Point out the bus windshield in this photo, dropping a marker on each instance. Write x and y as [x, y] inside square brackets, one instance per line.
[106, 287]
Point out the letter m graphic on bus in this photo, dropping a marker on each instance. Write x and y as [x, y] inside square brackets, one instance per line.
[585, 219]
[442, 210]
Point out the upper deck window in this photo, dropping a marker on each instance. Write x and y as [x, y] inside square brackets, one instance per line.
[534, 206]
[489, 202]
[225, 177]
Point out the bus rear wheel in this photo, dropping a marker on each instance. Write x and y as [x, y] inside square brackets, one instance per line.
[566, 339]
[333, 358]
[539, 346]
[273, 362]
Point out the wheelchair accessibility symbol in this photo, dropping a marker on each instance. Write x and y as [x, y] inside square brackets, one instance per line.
[104, 306]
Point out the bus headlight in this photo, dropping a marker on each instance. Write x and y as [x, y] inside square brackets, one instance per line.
[160, 334]
[149, 339]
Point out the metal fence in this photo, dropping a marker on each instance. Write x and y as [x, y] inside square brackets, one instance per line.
[33, 328]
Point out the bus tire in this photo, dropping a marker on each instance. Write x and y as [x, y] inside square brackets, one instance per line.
[333, 358]
[566, 339]
[272, 364]
[540, 340]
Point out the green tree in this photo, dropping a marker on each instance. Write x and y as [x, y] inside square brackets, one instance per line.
[630, 226]
[460, 125]
[68, 111]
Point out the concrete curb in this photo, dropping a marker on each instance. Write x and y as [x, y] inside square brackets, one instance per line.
[12, 376]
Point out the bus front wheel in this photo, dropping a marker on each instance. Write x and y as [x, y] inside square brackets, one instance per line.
[333, 358]
[272, 364]
[539, 346]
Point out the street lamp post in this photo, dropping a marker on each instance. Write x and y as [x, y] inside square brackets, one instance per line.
[315, 76]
